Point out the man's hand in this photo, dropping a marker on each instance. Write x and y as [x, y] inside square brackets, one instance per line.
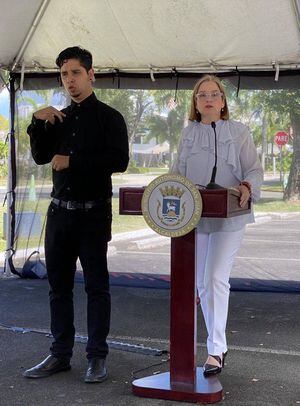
[60, 162]
[49, 114]
[245, 195]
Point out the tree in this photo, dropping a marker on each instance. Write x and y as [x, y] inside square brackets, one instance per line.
[4, 79]
[36, 99]
[3, 146]
[167, 120]
[134, 105]
[273, 110]
[292, 191]
[284, 107]
[3, 124]
[141, 109]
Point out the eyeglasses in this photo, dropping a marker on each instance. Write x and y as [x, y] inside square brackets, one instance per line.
[208, 95]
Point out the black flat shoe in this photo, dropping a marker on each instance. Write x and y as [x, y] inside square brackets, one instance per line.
[214, 364]
[96, 371]
[51, 365]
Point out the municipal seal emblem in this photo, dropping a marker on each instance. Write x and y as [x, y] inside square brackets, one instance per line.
[172, 205]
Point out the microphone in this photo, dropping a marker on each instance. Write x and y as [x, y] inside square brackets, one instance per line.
[212, 184]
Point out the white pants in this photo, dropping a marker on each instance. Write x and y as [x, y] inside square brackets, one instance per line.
[215, 254]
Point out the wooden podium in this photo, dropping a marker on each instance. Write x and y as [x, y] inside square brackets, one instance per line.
[184, 382]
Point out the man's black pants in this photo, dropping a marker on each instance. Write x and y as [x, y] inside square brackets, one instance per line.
[83, 234]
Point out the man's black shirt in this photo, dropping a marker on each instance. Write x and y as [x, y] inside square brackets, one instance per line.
[94, 135]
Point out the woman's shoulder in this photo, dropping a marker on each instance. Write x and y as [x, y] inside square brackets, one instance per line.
[237, 125]
[238, 129]
[192, 125]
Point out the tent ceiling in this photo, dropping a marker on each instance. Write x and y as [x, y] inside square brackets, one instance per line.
[258, 39]
[132, 35]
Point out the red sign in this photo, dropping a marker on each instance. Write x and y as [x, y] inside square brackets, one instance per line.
[281, 138]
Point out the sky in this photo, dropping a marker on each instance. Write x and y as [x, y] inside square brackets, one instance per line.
[4, 103]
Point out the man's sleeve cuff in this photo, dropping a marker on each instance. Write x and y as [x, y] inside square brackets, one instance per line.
[37, 123]
[74, 163]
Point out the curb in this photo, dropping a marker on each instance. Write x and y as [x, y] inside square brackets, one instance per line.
[147, 238]
[275, 215]
[147, 232]
[128, 235]
[149, 242]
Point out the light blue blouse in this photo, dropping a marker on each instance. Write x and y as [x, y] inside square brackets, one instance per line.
[237, 161]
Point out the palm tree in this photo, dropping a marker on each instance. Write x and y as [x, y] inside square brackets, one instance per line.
[167, 122]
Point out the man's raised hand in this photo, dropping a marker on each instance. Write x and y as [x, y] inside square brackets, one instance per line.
[49, 114]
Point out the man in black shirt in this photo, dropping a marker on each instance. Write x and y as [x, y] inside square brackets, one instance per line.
[85, 143]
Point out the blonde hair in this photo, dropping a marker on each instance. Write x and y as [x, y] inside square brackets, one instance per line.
[195, 115]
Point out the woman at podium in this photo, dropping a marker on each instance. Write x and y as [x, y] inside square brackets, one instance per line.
[215, 152]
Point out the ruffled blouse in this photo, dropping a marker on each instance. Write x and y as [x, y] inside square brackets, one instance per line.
[237, 161]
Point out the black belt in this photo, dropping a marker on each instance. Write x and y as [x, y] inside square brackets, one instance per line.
[72, 205]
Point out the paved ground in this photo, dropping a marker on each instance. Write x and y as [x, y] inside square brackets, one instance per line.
[121, 180]
[269, 252]
[263, 365]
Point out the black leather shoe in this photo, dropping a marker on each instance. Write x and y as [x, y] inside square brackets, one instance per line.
[51, 365]
[96, 371]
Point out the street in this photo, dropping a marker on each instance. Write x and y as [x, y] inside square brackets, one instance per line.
[270, 251]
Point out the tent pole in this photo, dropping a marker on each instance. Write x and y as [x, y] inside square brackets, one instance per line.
[11, 183]
[30, 33]
[296, 5]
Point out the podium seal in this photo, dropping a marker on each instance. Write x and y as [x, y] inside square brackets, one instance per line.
[172, 205]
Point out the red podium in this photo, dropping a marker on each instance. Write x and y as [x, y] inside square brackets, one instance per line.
[184, 382]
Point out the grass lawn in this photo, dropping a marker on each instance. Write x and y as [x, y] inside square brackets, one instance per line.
[272, 188]
[125, 223]
[120, 223]
[269, 205]
[159, 171]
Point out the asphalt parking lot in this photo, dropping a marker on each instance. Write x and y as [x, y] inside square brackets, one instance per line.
[269, 252]
[263, 367]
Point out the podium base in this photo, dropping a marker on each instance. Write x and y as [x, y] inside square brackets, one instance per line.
[206, 390]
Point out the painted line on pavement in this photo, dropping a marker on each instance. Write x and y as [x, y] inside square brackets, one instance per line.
[143, 253]
[268, 230]
[230, 347]
[271, 241]
[162, 341]
[168, 254]
[270, 259]
[285, 221]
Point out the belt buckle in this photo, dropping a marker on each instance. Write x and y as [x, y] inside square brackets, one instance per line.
[71, 205]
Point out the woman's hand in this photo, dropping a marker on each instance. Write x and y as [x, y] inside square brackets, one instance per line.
[245, 195]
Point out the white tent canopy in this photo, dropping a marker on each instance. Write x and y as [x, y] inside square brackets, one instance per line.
[133, 36]
[147, 43]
